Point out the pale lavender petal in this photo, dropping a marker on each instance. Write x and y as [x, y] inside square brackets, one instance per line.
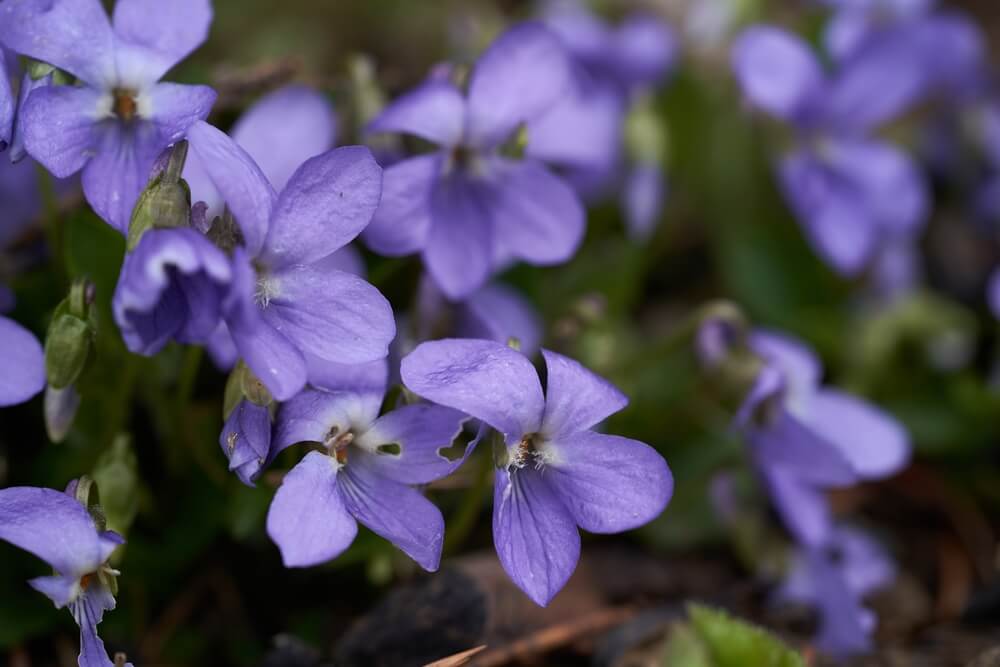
[798, 364]
[7, 105]
[845, 626]
[88, 610]
[420, 431]
[459, 246]
[396, 512]
[284, 129]
[536, 537]
[348, 259]
[28, 85]
[175, 107]
[499, 313]
[777, 72]
[332, 315]
[801, 449]
[845, 32]
[522, 75]
[272, 357]
[834, 215]
[52, 526]
[537, 216]
[873, 442]
[645, 190]
[61, 589]
[484, 379]
[73, 35]
[59, 127]
[312, 416]
[645, 48]
[802, 506]
[174, 28]
[326, 204]
[608, 484]
[243, 187]
[23, 363]
[993, 293]
[594, 112]
[246, 440]
[576, 398]
[308, 519]
[435, 111]
[368, 377]
[403, 218]
[222, 349]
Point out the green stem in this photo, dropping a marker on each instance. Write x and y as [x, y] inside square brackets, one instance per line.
[188, 376]
[51, 220]
[471, 505]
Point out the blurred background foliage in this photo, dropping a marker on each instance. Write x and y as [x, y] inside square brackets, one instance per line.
[202, 584]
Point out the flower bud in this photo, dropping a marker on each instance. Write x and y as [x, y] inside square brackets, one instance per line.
[721, 346]
[645, 134]
[60, 411]
[166, 201]
[85, 491]
[70, 337]
[117, 473]
[243, 384]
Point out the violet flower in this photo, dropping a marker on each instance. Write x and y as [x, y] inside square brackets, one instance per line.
[55, 527]
[805, 439]
[466, 207]
[285, 302]
[852, 194]
[23, 363]
[246, 440]
[119, 119]
[362, 471]
[8, 105]
[835, 578]
[556, 473]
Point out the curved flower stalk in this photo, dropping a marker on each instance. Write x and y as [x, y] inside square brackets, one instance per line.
[115, 123]
[852, 194]
[286, 303]
[58, 529]
[363, 470]
[835, 579]
[466, 207]
[805, 438]
[555, 474]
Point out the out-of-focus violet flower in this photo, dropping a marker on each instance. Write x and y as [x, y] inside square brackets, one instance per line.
[805, 438]
[23, 362]
[993, 293]
[58, 529]
[835, 578]
[119, 119]
[466, 207]
[851, 193]
[8, 105]
[285, 304]
[363, 471]
[556, 474]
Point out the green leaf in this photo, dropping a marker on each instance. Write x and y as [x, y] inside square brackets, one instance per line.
[685, 649]
[735, 643]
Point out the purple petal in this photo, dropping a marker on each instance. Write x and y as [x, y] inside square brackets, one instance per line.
[500, 313]
[7, 105]
[873, 442]
[537, 216]
[645, 190]
[176, 107]
[403, 217]
[326, 204]
[777, 72]
[993, 293]
[246, 440]
[311, 416]
[62, 590]
[397, 513]
[802, 506]
[59, 127]
[73, 35]
[23, 363]
[420, 431]
[171, 286]
[334, 315]
[645, 48]
[173, 29]
[21, 201]
[459, 246]
[368, 377]
[284, 129]
[238, 179]
[52, 526]
[435, 111]
[535, 535]
[348, 259]
[802, 449]
[274, 359]
[522, 75]
[596, 113]
[608, 484]
[836, 219]
[798, 364]
[88, 610]
[485, 379]
[844, 625]
[576, 398]
[308, 519]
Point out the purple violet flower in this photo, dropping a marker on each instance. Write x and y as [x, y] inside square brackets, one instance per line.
[55, 527]
[246, 440]
[23, 363]
[558, 474]
[119, 119]
[835, 578]
[8, 105]
[362, 472]
[805, 439]
[286, 303]
[465, 207]
[852, 194]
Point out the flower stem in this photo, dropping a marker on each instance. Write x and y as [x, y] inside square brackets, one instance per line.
[471, 505]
